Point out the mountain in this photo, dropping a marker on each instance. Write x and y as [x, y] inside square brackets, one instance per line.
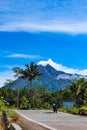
[51, 78]
[57, 80]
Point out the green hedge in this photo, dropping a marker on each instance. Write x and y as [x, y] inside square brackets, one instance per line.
[77, 111]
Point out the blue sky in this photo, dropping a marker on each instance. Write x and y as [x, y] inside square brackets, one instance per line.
[43, 31]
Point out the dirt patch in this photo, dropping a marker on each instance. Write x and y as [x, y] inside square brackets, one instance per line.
[28, 125]
[1, 125]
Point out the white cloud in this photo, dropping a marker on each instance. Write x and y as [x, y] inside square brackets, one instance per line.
[10, 67]
[4, 76]
[49, 16]
[23, 56]
[60, 67]
[7, 73]
[73, 28]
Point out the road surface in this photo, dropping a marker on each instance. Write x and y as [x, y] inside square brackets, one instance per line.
[55, 121]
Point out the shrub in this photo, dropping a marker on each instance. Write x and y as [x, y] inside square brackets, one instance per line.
[73, 110]
[82, 111]
[2, 104]
[62, 109]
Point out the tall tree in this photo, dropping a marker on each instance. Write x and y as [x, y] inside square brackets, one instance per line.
[17, 71]
[30, 72]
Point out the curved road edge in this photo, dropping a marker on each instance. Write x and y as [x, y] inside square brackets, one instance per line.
[41, 124]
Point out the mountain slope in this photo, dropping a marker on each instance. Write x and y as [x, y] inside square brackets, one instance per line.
[53, 79]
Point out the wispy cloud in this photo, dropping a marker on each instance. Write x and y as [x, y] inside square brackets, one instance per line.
[60, 67]
[46, 16]
[24, 56]
[69, 27]
[10, 67]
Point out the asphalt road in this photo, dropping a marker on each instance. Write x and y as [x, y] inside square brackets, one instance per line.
[55, 121]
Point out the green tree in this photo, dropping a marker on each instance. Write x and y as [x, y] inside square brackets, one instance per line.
[17, 73]
[30, 72]
[78, 89]
[2, 103]
[42, 96]
[24, 102]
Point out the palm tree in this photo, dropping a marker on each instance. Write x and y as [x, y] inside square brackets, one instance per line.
[77, 89]
[31, 72]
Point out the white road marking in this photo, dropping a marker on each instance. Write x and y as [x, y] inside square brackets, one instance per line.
[41, 124]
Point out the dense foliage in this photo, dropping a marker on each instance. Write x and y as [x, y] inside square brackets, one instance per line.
[78, 91]
[43, 98]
